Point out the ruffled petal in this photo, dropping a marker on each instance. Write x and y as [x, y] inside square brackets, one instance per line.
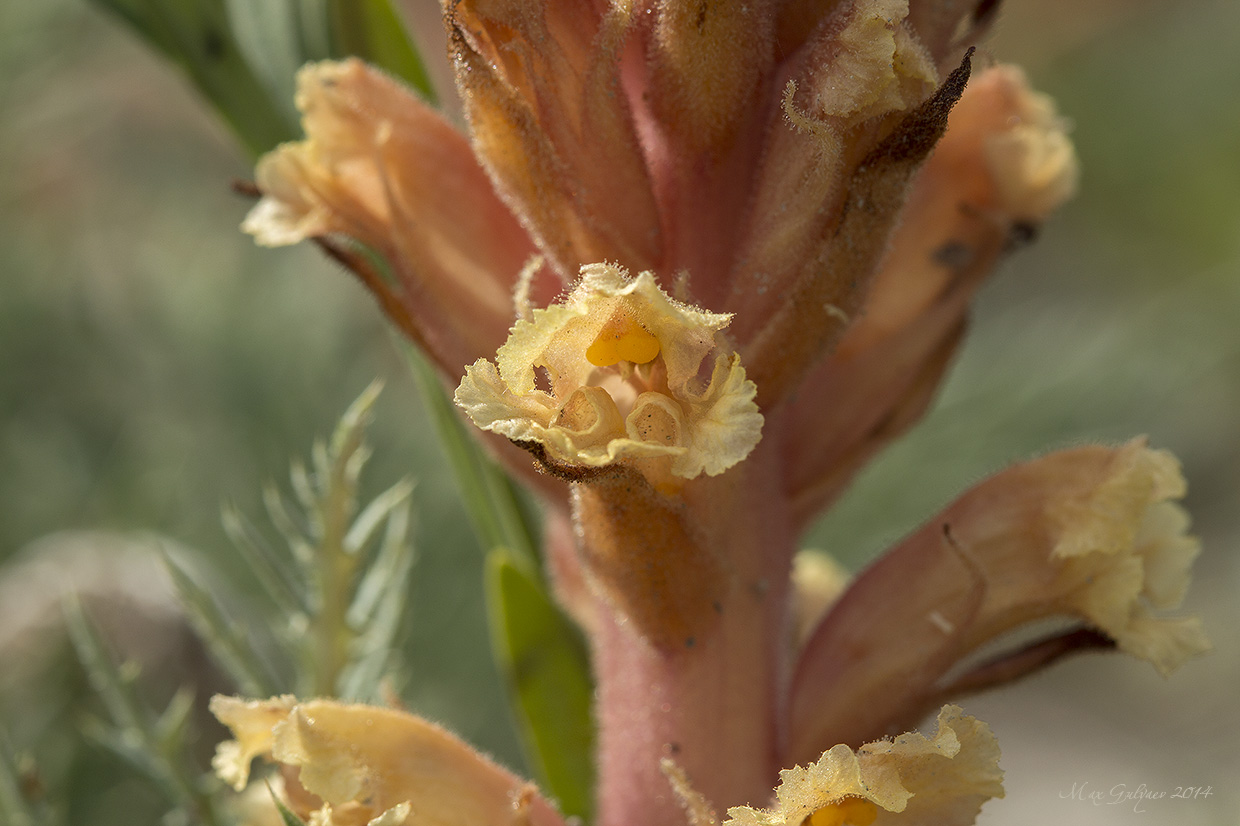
[621, 361]
[251, 722]
[941, 780]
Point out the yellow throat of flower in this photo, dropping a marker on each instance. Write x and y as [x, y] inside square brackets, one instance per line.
[622, 338]
[851, 811]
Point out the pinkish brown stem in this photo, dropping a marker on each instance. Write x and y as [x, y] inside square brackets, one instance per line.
[711, 699]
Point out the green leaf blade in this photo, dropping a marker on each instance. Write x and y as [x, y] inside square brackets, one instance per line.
[544, 660]
[198, 36]
[373, 30]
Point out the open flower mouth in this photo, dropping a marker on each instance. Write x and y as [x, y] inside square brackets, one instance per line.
[620, 373]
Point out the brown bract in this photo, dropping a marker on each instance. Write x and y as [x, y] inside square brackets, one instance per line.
[964, 214]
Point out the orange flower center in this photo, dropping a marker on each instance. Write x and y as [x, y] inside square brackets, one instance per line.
[852, 811]
[622, 339]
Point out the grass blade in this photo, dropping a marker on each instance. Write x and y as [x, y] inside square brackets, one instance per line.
[490, 498]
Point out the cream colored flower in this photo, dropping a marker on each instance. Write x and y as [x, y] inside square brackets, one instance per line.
[1032, 161]
[1123, 553]
[936, 781]
[362, 765]
[377, 167]
[631, 376]
[1090, 534]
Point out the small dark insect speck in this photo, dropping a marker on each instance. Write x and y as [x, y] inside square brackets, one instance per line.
[213, 46]
[1021, 233]
[955, 255]
[985, 11]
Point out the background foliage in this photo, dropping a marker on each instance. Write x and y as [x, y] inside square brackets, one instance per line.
[154, 363]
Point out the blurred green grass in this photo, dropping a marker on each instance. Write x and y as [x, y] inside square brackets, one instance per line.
[154, 363]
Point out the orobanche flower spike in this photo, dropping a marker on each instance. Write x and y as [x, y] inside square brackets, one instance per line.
[834, 181]
[628, 376]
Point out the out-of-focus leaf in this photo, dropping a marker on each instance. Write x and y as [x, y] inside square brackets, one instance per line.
[266, 32]
[273, 570]
[385, 571]
[172, 727]
[543, 658]
[152, 746]
[490, 498]
[197, 35]
[284, 521]
[132, 749]
[374, 515]
[372, 30]
[378, 611]
[243, 55]
[228, 642]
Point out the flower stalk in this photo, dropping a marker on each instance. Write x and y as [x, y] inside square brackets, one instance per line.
[690, 266]
[712, 697]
